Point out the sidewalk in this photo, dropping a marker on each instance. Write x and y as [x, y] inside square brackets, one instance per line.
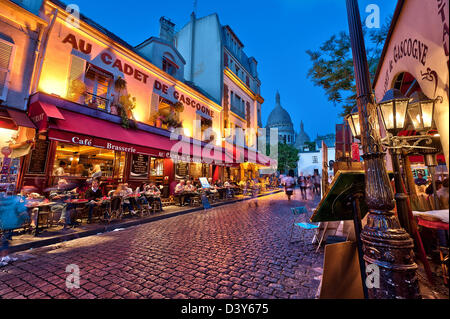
[57, 234]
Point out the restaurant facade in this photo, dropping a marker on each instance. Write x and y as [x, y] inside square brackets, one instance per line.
[415, 58]
[17, 57]
[100, 104]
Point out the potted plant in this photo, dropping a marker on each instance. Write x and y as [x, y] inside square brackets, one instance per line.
[77, 89]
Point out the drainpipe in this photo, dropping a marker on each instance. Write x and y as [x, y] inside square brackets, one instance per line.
[35, 59]
[191, 71]
[40, 59]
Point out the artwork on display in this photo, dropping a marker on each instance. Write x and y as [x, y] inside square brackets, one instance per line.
[204, 182]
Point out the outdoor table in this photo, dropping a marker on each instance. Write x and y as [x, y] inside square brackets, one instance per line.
[77, 202]
[39, 206]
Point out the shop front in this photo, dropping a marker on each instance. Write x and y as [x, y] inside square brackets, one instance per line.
[415, 58]
[79, 145]
[16, 140]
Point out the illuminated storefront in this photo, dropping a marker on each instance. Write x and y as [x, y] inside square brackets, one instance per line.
[415, 57]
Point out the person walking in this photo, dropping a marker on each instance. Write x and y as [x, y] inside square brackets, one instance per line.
[289, 184]
[302, 183]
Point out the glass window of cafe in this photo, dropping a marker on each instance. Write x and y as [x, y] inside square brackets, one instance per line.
[83, 161]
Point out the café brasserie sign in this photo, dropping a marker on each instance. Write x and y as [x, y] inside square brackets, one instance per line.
[86, 48]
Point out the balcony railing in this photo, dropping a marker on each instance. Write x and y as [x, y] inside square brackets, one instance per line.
[96, 102]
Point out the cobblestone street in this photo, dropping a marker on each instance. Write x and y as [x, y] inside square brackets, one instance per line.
[240, 250]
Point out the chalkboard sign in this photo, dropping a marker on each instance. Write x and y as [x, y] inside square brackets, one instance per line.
[38, 158]
[139, 166]
[181, 170]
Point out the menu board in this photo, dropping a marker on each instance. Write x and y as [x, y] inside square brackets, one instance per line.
[38, 158]
[181, 170]
[139, 166]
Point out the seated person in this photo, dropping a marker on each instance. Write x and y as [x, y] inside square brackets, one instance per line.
[219, 186]
[179, 192]
[129, 202]
[31, 199]
[94, 195]
[60, 195]
[154, 194]
[229, 188]
[189, 192]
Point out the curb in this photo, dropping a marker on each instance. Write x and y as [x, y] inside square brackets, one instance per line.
[109, 228]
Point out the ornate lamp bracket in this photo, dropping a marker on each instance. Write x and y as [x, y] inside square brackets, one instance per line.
[407, 143]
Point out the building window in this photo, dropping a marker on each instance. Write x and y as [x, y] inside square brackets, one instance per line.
[6, 57]
[225, 59]
[97, 84]
[156, 166]
[169, 66]
[247, 81]
[80, 162]
[315, 159]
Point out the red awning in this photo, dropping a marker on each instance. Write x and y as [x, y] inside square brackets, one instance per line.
[85, 130]
[20, 118]
[49, 109]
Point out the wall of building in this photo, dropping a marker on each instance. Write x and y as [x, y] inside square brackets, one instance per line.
[309, 161]
[144, 81]
[156, 50]
[419, 45]
[206, 72]
[22, 28]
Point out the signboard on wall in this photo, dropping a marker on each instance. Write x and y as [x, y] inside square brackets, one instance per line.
[181, 170]
[139, 166]
[38, 158]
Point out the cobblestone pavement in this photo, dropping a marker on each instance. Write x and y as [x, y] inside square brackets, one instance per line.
[240, 250]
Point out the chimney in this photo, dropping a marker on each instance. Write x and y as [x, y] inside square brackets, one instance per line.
[166, 29]
[253, 66]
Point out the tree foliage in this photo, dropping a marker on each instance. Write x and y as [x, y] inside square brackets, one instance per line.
[287, 157]
[332, 65]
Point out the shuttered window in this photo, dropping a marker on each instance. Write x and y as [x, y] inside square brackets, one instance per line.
[76, 77]
[6, 54]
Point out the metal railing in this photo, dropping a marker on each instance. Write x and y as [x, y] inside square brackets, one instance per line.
[96, 101]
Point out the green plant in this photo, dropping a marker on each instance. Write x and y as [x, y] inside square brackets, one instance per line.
[77, 88]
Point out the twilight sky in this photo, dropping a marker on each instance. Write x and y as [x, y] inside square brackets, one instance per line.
[276, 32]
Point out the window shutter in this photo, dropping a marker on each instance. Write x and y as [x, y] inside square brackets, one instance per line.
[77, 68]
[6, 51]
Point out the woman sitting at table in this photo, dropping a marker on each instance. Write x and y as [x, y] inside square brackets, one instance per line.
[219, 186]
[154, 194]
[129, 202]
[189, 190]
[179, 192]
[31, 199]
[60, 195]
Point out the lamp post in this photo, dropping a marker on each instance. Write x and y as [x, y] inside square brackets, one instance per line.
[386, 244]
[393, 113]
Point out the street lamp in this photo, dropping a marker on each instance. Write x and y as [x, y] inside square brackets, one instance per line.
[353, 121]
[393, 110]
[387, 247]
[421, 111]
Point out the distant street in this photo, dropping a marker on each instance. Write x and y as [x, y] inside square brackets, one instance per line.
[240, 250]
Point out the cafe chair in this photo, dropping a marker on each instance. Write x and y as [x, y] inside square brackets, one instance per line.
[156, 206]
[116, 208]
[301, 221]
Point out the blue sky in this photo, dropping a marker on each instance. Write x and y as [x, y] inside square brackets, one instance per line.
[276, 32]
